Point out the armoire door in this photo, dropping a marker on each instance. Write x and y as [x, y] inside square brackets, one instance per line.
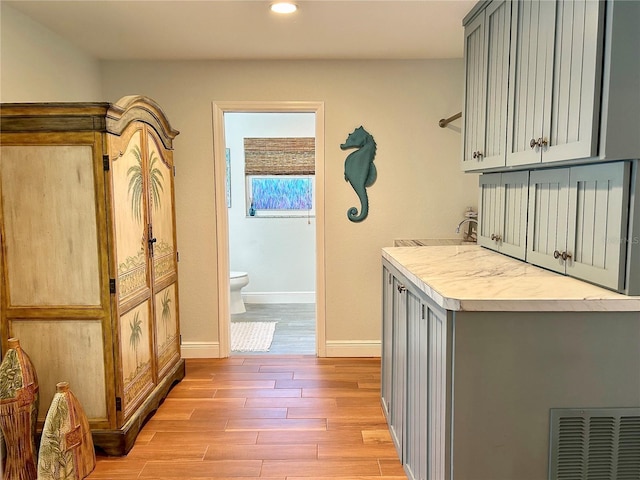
[162, 244]
[133, 298]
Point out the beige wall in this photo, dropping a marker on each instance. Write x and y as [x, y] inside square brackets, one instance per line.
[420, 191]
[37, 65]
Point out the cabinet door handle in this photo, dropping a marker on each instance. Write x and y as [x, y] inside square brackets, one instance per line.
[540, 142]
[564, 255]
[151, 240]
[477, 154]
[401, 288]
[496, 237]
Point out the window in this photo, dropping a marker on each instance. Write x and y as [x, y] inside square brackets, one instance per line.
[280, 176]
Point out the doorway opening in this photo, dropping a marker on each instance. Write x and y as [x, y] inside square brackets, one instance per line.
[277, 246]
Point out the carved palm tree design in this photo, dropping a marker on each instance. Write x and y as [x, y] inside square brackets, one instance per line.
[136, 335]
[155, 181]
[166, 313]
[136, 183]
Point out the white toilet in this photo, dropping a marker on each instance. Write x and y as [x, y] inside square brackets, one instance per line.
[237, 281]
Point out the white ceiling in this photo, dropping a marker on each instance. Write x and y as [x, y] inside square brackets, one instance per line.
[247, 29]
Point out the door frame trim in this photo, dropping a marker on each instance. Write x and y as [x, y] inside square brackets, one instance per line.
[222, 221]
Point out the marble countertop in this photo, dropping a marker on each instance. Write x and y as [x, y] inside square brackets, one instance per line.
[428, 242]
[472, 278]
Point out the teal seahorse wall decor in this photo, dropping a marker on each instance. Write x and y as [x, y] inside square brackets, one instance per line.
[359, 169]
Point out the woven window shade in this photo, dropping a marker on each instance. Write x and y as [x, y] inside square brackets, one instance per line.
[279, 156]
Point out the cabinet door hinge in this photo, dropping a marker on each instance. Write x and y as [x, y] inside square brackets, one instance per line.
[105, 162]
[180, 339]
[177, 256]
[174, 170]
[112, 286]
[423, 311]
[118, 404]
[389, 279]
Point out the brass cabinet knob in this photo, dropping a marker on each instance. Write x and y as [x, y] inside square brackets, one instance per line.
[533, 143]
[477, 154]
[556, 254]
[566, 256]
[496, 237]
[401, 288]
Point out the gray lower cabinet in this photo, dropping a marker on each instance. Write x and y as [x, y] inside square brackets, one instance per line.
[469, 394]
[578, 221]
[395, 368]
[414, 376]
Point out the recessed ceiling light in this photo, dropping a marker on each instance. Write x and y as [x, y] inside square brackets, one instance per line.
[284, 7]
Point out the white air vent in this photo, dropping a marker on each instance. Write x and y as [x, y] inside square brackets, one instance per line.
[595, 444]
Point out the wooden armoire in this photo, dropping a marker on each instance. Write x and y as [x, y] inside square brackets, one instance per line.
[88, 258]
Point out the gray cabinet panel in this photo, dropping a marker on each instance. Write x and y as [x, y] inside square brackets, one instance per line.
[503, 212]
[438, 388]
[487, 42]
[397, 407]
[489, 209]
[577, 221]
[498, 20]
[598, 203]
[417, 424]
[530, 51]
[416, 376]
[547, 223]
[573, 118]
[555, 81]
[475, 96]
[387, 341]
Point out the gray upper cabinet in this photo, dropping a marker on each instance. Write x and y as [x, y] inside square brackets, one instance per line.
[578, 221]
[555, 80]
[551, 82]
[486, 46]
[502, 223]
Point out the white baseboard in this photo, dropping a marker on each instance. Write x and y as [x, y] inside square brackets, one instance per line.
[200, 350]
[279, 297]
[336, 348]
[354, 348]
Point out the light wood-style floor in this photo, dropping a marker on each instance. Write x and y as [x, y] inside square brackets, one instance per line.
[265, 417]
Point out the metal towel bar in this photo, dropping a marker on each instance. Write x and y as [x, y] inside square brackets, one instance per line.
[445, 121]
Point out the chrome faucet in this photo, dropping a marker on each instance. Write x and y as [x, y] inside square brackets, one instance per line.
[470, 235]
